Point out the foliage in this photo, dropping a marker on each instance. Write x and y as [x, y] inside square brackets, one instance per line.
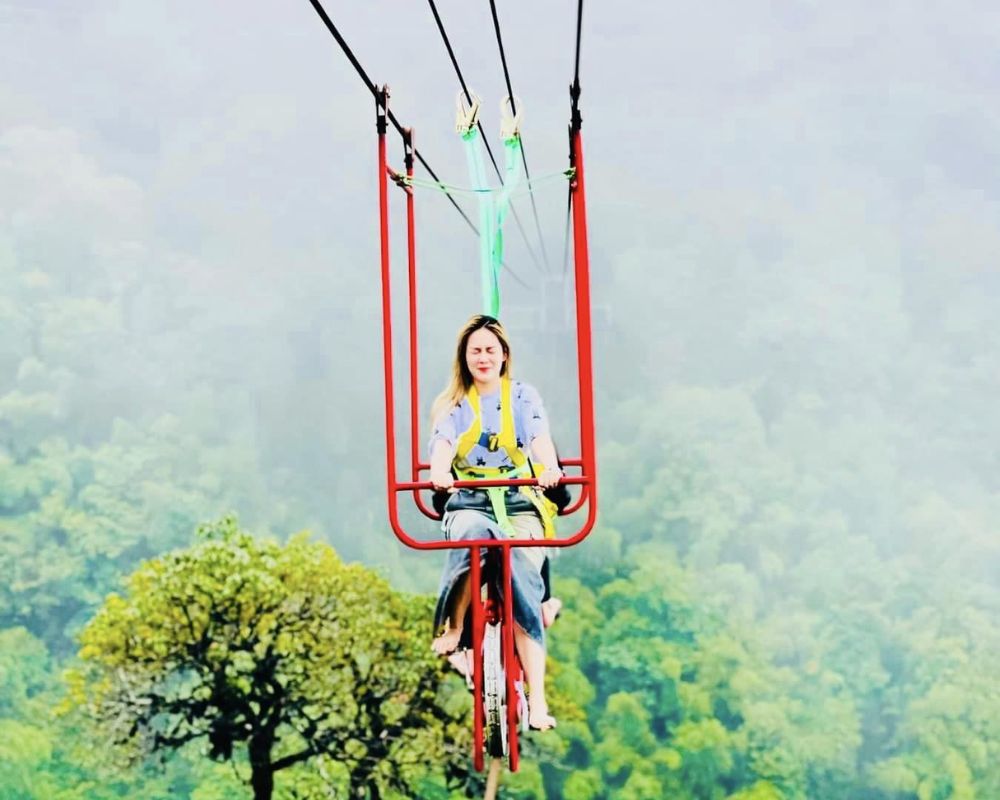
[282, 650]
[792, 591]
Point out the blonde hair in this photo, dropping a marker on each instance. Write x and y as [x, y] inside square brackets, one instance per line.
[461, 378]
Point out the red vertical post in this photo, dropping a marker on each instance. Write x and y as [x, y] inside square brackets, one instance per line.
[581, 258]
[381, 109]
[411, 262]
[475, 586]
[509, 657]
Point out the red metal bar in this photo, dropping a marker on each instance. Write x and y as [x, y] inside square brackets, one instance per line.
[411, 262]
[442, 544]
[575, 506]
[587, 460]
[508, 661]
[381, 109]
[475, 586]
[576, 480]
[578, 503]
[422, 507]
[585, 372]
[566, 462]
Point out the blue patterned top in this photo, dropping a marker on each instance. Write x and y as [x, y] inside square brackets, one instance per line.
[530, 420]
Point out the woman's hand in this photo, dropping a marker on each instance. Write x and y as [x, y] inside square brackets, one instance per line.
[443, 481]
[550, 477]
[544, 451]
[441, 456]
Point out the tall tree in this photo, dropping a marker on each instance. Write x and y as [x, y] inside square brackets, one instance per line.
[283, 650]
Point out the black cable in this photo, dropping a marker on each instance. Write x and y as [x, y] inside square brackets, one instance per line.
[371, 88]
[574, 90]
[461, 80]
[392, 118]
[503, 57]
[575, 122]
[513, 109]
[482, 133]
[579, 31]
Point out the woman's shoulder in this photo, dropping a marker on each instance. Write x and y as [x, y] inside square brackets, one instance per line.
[524, 392]
[463, 406]
[453, 412]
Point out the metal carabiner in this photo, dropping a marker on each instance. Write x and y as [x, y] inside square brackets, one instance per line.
[466, 115]
[510, 117]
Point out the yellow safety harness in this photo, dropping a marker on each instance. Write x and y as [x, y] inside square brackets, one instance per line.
[505, 440]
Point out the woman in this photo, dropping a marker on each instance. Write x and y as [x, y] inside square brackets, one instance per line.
[485, 425]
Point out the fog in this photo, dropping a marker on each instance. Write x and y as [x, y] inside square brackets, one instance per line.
[793, 213]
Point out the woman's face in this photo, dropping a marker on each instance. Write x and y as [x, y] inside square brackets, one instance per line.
[484, 356]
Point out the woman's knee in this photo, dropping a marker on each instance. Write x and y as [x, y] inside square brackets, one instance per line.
[465, 524]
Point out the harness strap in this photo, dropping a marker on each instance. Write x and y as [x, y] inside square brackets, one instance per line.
[506, 440]
[497, 494]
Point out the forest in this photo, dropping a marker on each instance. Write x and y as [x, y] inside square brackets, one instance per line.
[793, 589]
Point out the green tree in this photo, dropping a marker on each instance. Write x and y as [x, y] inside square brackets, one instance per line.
[284, 650]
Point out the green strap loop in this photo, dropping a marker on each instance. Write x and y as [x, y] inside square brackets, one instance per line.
[526, 186]
[493, 209]
[497, 495]
[512, 176]
[487, 221]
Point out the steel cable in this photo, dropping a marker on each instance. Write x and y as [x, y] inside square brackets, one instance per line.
[479, 125]
[524, 158]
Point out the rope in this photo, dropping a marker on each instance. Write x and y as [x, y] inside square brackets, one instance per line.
[579, 32]
[468, 98]
[524, 158]
[575, 122]
[392, 118]
[371, 88]
[423, 183]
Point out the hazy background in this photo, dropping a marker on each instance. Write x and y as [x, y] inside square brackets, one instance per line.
[793, 214]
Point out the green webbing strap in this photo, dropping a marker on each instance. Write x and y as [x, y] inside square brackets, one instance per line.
[526, 186]
[512, 176]
[490, 277]
[497, 495]
[492, 212]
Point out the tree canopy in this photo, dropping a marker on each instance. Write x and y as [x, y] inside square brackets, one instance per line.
[282, 650]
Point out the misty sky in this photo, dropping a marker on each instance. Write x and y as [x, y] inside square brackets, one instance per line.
[840, 161]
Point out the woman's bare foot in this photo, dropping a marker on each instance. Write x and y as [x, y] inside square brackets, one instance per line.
[447, 641]
[539, 718]
[550, 610]
[461, 661]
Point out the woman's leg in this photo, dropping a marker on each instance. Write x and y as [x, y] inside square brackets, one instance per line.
[550, 611]
[455, 595]
[551, 606]
[529, 588]
[532, 656]
[461, 596]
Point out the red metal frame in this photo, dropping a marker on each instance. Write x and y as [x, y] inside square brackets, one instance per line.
[587, 462]
[476, 585]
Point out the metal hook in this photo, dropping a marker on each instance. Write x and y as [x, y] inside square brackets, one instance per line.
[466, 115]
[510, 120]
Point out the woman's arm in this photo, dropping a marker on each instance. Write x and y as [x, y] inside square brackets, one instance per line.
[544, 451]
[442, 455]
